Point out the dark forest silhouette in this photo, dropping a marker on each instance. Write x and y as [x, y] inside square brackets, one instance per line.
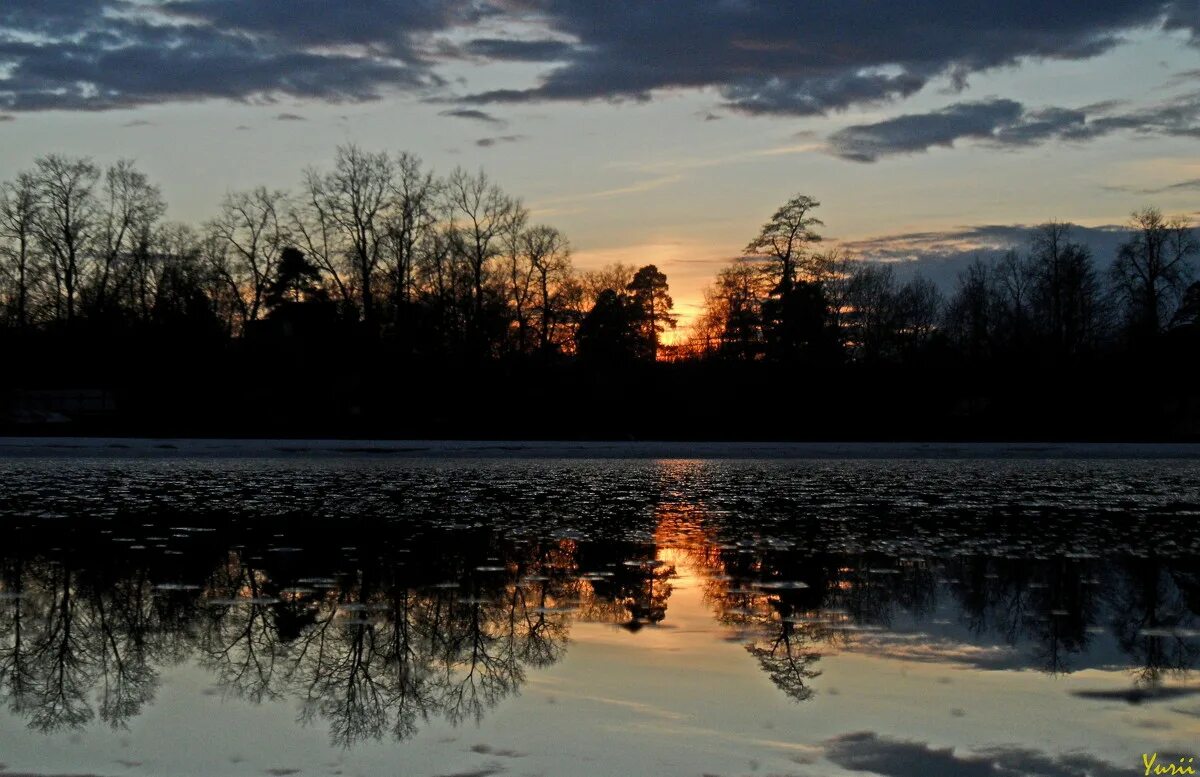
[381, 300]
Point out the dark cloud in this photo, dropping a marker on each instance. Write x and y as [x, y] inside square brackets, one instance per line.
[82, 58]
[474, 114]
[6, 117]
[386, 24]
[921, 131]
[771, 57]
[762, 57]
[1007, 123]
[290, 117]
[489, 142]
[869, 752]
[940, 256]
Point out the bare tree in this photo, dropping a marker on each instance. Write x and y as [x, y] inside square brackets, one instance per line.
[132, 205]
[18, 252]
[480, 213]
[1153, 268]
[247, 237]
[550, 257]
[412, 218]
[970, 313]
[519, 281]
[67, 220]
[347, 220]
[1065, 289]
[614, 277]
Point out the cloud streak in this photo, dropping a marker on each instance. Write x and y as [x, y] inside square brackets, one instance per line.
[474, 114]
[489, 142]
[1009, 124]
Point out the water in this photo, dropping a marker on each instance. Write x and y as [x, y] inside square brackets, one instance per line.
[324, 611]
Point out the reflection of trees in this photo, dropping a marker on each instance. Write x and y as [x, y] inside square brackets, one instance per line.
[238, 638]
[380, 655]
[372, 653]
[1152, 621]
[56, 653]
[374, 647]
[1051, 603]
[788, 657]
[65, 637]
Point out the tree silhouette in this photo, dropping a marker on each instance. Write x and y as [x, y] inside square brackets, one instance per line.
[1152, 269]
[649, 298]
[611, 331]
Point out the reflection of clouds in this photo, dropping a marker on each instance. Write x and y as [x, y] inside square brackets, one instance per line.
[867, 751]
[928, 649]
[447, 615]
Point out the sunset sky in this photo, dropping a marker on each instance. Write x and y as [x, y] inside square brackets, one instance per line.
[661, 132]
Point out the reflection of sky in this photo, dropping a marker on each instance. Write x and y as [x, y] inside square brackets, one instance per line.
[677, 699]
[683, 696]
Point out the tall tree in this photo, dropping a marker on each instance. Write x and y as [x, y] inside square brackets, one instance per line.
[550, 256]
[68, 216]
[969, 314]
[610, 332]
[18, 250]
[349, 209]
[649, 294]
[480, 214]
[131, 208]
[795, 319]
[248, 235]
[1152, 269]
[784, 239]
[412, 217]
[1065, 290]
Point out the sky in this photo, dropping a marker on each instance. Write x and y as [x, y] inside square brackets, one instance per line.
[649, 132]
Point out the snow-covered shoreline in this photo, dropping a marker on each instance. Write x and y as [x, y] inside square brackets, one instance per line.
[93, 447]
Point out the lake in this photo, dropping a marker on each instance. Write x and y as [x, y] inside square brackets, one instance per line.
[471, 609]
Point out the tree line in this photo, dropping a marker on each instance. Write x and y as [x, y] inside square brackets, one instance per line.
[377, 242]
[380, 298]
[786, 300]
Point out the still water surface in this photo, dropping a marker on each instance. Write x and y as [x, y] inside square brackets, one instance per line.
[366, 615]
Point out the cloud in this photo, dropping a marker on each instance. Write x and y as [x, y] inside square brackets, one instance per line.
[6, 117]
[922, 131]
[290, 117]
[1181, 186]
[764, 57]
[867, 751]
[474, 114]
[109, 54]
[1008, 123]
[383, 24]
[1175, 187]
[768, 57]
[489, 142]
[941, 255]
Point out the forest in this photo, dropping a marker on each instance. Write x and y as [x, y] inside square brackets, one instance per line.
[381, 300]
